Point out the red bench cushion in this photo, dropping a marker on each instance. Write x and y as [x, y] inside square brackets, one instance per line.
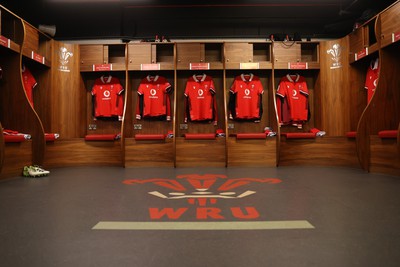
[351, 134]
[14, 138]
[388, 134]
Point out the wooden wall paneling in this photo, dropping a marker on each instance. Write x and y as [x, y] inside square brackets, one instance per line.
[67, 107]
[77, 152]
[335, 98]
[151, 153]
[16, 156]
[31, 40]
[390, 24]
[385, 157]
[318, 152]
[67, 100]
[200, 153]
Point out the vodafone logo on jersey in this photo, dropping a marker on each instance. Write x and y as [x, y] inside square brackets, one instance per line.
[202, 193]
[200, 93]
[247, 93]
[294, 94]
[153, 93]
[106, 93]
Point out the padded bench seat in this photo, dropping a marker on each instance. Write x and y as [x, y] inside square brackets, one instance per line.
[351, 134]
[14, 138]
[388, 134]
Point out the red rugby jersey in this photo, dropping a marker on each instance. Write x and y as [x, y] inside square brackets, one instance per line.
[29, 83]
[107, 91]
[245, 100]
[293, 89]
[154, 99]
[200, 104]
[372, 78]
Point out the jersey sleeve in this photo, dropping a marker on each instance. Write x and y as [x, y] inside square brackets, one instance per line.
[212, 86]
[281, 91]
[304, 88]
[94, 90]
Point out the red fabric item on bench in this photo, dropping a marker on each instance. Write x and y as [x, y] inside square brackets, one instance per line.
[299, 135]
[251, 136]
[14, 138]
[100, 137]
[388, 134]
[351, 134]
[50, 137]
[149, 136]
[199, 136]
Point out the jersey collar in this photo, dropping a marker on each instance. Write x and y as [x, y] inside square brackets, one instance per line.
[152, 78]
[197, 80]
[375, 64]
[244, 79]
[289, 77]
[106, 79]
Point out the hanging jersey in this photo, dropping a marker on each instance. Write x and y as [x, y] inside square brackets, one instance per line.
[153, 98]
[200, 104]
[108, 101]
[245, 101]
[293, 89]
[29, 83]
[372, 78]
